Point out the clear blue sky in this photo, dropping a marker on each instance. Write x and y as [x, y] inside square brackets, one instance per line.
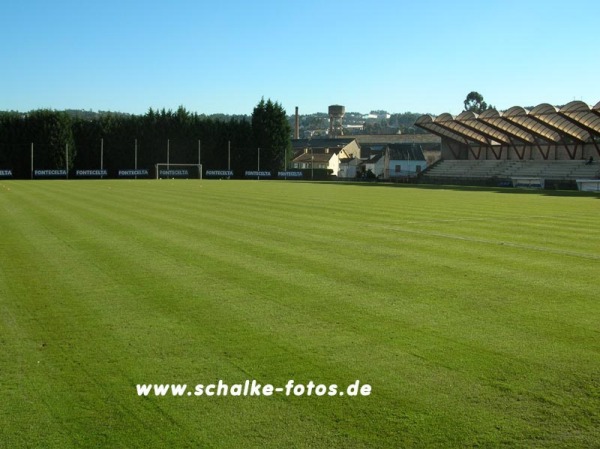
[223, 56]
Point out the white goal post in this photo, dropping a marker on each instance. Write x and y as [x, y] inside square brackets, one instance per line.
[179, 171]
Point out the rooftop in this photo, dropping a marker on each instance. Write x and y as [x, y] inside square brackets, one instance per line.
[576, 122]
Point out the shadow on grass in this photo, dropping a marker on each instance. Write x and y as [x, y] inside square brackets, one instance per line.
[464, 188]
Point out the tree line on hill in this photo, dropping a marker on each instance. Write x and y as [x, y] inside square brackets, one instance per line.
[114, 138]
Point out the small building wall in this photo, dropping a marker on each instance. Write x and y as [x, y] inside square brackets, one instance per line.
[334, 164]
[348, 169]
[377, 167]
[406, 167]
[353, 149]
[454, 150]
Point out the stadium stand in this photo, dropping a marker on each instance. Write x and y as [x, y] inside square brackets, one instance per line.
[507, 169]
[547, 143]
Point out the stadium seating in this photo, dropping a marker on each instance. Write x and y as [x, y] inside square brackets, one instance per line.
[507, 169]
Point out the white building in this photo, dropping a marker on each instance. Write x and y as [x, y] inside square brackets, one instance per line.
[403, 160]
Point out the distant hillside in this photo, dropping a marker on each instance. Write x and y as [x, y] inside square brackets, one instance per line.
[95, 115]
[358, 123]
[316, 123]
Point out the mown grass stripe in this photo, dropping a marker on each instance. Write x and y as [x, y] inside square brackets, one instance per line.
[466, 341]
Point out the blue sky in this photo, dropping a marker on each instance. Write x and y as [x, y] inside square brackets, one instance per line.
[222, 57]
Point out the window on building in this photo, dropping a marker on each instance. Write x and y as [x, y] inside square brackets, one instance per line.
[397, 168]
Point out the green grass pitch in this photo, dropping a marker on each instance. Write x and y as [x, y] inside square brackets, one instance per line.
[473, 314]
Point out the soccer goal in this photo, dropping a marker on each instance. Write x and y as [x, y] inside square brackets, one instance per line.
[179, 171]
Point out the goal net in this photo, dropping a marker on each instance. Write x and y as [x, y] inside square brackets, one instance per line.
[179, 171]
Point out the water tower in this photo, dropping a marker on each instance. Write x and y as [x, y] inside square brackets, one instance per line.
[336, 115]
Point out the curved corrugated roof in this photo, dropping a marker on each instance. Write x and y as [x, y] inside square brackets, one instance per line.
[469, 119]
[520, 117]
[494, 118]
[450, 123]
[575, 106]
[427, 122]
[580, 113]
[548, 114]
[574, 122]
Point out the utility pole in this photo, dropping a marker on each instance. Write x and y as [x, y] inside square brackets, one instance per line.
[135, 156]
[101, 155]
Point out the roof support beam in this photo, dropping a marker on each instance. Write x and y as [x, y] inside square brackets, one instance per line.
[491, 136]
[426, 122]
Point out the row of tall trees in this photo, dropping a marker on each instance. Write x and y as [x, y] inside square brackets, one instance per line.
[50, 132]
[115, 137]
